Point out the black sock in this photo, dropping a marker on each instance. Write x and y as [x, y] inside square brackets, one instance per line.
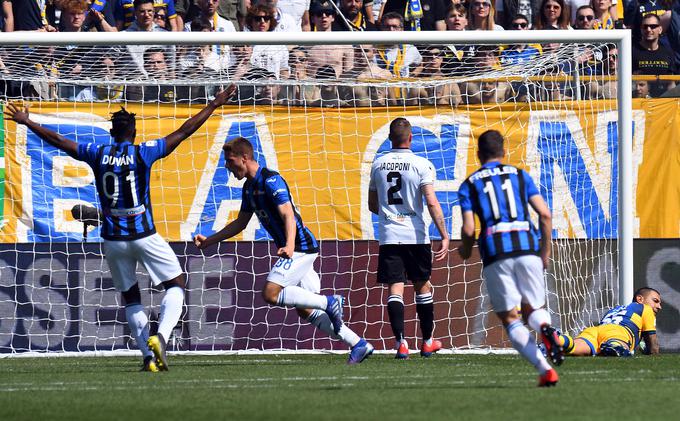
[425, 310]
[395, 309]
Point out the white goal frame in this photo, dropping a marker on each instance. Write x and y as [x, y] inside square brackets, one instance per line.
[621, 38]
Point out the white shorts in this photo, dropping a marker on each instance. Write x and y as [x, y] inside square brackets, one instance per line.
[297, 271]
[152, 251]
[515, 280]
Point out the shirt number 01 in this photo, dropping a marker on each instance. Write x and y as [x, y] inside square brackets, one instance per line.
[491, 192]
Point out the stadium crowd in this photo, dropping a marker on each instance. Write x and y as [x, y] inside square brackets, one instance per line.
[295, 71]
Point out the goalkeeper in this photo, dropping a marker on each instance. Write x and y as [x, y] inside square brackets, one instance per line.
[292, 282]
[621, 330]
[122, 174]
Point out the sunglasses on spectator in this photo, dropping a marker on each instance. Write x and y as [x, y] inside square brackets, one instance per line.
[264, 18]
[481, 5]
[650, 26]
[159, 16]
[519, 25]
[323, 13]
[585, 17]
[434, 53]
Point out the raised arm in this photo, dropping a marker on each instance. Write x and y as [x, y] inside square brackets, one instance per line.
[545, 225]
[194, 123]
[435, 210]
[21, 116]
[232, 228]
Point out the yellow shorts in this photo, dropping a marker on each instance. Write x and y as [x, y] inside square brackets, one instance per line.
[597, 335]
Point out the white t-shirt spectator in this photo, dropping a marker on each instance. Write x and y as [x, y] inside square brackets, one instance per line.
[274, 58]
[294, 9]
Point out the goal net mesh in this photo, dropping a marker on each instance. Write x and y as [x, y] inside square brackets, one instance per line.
[320, 116]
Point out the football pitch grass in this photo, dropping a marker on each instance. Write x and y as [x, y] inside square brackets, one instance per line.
[323, 387]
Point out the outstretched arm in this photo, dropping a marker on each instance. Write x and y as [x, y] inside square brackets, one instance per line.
[437, 215]
[194, 123]
[21, 116]
[232, 228]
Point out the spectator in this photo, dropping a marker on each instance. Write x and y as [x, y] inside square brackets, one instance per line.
[105, 9]
[228, 9]
[519, 54]
[367, 70]
[284, 21]
[6, 16]
[486, 60]
[636, 9]
[75, 17]
[353, 18]
[207, 12]
[187, 11]
[144, 22]
[641, 89]
[329, 95]
[456, 17]
[674, 33]
[261, 93]
[651, 58]
[552, 15]
[481, 16]
[605, 88]
[30, 16]
[124, 12]
[603, 19]
[299, 11]
[506, 10]
[273, 58]
[160, 17]
[431, 17]
[104, 70]
[299, 93]
[585, 17]
[241, 62]
[435, 94]
[204, 59]
[400, 60]
[340, 57]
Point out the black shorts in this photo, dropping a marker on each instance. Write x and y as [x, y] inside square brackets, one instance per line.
[404, 262]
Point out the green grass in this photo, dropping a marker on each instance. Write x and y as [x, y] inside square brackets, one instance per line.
[321, 387]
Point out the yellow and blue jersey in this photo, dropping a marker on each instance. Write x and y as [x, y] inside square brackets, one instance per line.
[499, 195]
[636, 318]
[262, 196]
[124, 10]
[122, 173]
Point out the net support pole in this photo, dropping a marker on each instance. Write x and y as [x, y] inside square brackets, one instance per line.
[626, 207]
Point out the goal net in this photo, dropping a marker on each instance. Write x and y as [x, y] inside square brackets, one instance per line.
[319, 114]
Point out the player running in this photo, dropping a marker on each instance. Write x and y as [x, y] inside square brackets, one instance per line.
[621, 330]
[399, 181]
[500, 196]
[292, 282]
[122, 176]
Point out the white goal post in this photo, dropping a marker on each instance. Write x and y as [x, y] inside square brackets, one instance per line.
[209, 304]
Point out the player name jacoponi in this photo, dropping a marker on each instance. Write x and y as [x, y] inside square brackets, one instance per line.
[488, 172]
[394, 166]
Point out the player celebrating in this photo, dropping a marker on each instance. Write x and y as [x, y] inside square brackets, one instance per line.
[122, 175]
[500, 195]
[399, 181]
[293, 282]
[620, 331]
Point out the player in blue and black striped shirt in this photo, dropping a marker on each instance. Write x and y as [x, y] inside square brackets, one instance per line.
[122, 175]
[500, 195]
[292, 282]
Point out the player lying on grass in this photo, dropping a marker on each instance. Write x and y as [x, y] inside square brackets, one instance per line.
[621, 330]
[292, 282]
[122, 175]
[513, 255]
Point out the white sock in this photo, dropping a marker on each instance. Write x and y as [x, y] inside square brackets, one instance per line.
[171, 310]
[138, 323]
[294, 296]
[321, 321]
[538, 318]
[522, 341]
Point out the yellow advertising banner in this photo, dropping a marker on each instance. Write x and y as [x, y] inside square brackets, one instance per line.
[569, 148]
